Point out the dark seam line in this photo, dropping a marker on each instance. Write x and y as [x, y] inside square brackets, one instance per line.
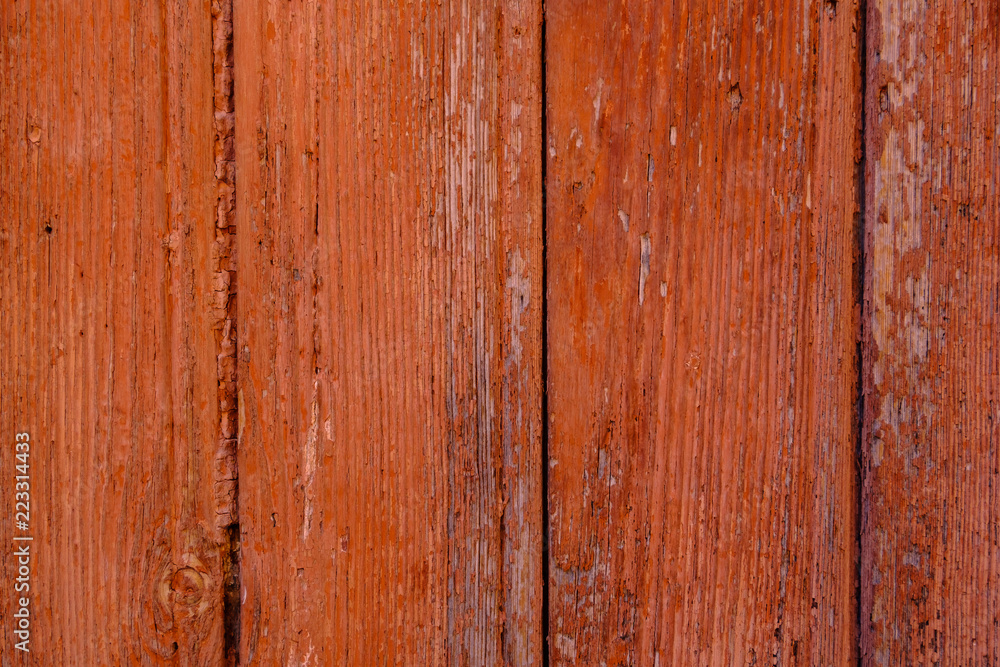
[545, 352]
[231, 607]
[860, 291]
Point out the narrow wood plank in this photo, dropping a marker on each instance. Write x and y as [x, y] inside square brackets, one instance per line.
[931, 547]
[703, 329]
[389, 249]
[110, 354]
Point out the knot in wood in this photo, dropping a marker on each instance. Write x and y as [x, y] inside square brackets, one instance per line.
[188, 586]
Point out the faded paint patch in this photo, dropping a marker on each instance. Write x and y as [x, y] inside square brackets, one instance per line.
[644, 253]
[519, 286]
[623, 216]
[309, 461]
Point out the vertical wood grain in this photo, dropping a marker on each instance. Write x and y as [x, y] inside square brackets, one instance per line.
[703, 325]
[111, 338]
[389, 249]
[931, 549]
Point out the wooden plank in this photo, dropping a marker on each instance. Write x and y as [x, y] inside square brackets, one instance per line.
[930, 556]
[702, 325]
[110, 361]
[389, 249]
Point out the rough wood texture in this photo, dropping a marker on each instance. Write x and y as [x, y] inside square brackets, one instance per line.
[931, 549]
[110, 271]
[702, 327]
[389, 246]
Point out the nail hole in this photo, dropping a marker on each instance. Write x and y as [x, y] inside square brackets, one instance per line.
[735, 97]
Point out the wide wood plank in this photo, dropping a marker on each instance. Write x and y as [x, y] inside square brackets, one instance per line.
[931, 546]
[389, 249]
[114, 286]
[703, 325]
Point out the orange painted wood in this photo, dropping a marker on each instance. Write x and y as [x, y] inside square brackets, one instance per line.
[114, 286]
[389, 248]
[702, 327]
[382, 163]
[931, 557]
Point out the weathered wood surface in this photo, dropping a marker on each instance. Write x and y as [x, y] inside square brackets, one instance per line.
[389, 250]
[114, 316]
[703, 322]
[702, 327]
[931, 549]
